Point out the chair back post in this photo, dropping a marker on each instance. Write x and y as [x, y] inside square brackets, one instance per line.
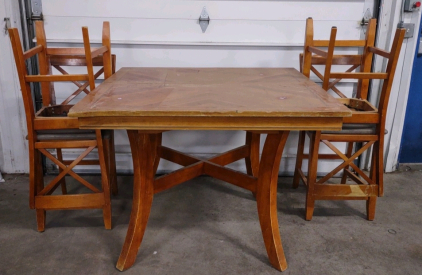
[88, 58]
[385, 95]
[22, 73]
[329, 58]
[47, 88]
[363, 84]
[113, 64]
[309, 42]
[28, 104]
[107, 62]
[391, 70]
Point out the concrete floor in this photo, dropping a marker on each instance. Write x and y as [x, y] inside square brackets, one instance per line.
[206, 226]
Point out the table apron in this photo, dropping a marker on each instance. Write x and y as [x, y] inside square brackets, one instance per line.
[212, 123]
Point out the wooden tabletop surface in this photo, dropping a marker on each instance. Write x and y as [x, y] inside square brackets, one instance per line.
[208, 92]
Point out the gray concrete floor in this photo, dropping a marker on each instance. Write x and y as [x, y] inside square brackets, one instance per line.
[206, 226]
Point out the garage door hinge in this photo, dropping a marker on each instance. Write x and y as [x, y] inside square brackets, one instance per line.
[36, 10]
[7, 24]
[366, 17]
[204, 19]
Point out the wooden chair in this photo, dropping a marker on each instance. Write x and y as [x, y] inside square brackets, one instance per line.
[366, 126]
[50, 128]
[62, 60]
[361, 61]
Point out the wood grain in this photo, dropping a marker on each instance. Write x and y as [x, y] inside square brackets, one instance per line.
[209, 92]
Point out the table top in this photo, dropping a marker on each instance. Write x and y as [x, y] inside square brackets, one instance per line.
[190, 96]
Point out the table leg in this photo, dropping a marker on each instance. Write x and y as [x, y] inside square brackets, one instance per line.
[266, 197]
[144, 152]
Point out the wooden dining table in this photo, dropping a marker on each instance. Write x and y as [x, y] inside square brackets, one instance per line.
[148, 101]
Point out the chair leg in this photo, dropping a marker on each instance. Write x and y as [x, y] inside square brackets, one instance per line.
[62, 181]
[104, 180]
[252, 161]
[157, 140]
[349, 151]
[380, 166]
[312, 174]
[310, 206]
[36, 184]
[39, 172]
[370, 208]
[40, 220]
[112, 162]
[35, 174]
[110, 158]
[299, 159]
[372, 172]
[377, 169]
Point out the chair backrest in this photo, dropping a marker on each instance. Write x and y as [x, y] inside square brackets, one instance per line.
[361, 61]
[44, 77]
[60, 62]
[387, 76]
[59, 57]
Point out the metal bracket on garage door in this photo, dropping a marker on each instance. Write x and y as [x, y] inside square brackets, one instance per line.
[204, 19]
[366, 17]
[36, 10]
[7, 24]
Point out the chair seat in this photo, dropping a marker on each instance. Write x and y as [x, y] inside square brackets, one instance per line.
[358, 128]
[71, 134]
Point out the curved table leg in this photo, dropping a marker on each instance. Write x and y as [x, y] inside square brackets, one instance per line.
[266, 197]
[144, 152]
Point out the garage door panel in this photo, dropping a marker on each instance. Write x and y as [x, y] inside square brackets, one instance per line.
[218, 10]
[177, 31]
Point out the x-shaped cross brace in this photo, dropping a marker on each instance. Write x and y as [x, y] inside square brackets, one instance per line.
[66, 170]
[348, 162]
